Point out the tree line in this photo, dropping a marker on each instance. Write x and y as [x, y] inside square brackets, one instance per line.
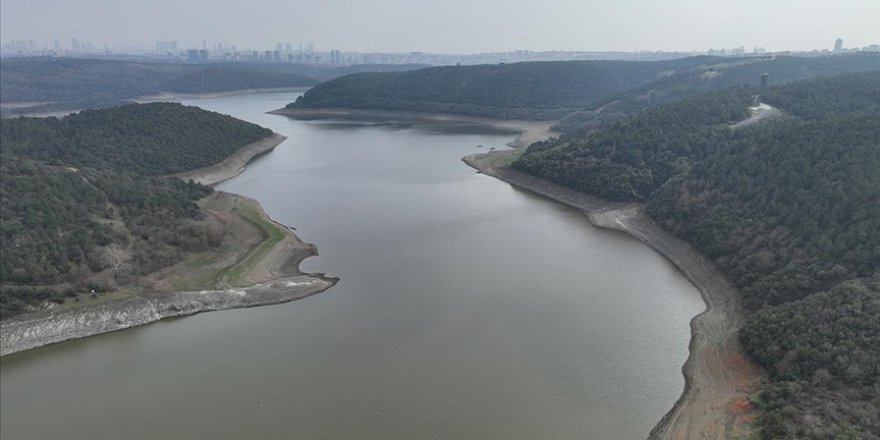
[789, 209]
[85, 205]
[578, 92]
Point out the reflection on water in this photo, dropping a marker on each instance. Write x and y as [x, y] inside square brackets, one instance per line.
[466, 310]
[424, 127]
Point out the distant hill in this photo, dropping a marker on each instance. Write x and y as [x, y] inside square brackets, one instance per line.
[92, 83]
[533, 90]
[83, 193]
[146, 139]
[788, 208]
[729, 72]
[553, 90]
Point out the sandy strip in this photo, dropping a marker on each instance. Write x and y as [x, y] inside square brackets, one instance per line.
[718, 376]
[235, 164]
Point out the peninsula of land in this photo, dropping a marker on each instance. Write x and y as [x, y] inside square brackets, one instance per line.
[256, 265]
[149, 242]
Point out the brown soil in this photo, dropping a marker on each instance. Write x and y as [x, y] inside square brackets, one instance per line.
[718, 376]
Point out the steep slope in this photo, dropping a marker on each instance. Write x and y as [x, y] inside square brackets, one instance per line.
[585, 92]
[83, 205]
[787, 208]
[533, 90]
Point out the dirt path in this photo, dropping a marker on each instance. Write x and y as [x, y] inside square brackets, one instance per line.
[759, 113]
[718, 377]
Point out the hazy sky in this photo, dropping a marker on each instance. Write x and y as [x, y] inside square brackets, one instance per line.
[451, 26]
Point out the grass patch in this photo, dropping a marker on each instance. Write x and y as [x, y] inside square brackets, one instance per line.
[272, 234]
[87, 300]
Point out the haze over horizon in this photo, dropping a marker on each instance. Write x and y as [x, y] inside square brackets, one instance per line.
[451, 26]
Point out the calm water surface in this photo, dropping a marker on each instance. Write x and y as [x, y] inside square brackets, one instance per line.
[467, 310]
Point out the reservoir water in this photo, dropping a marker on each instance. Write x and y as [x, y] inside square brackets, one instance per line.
[466, 309]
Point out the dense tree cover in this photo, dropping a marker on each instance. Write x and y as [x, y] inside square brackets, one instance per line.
[83, 207]
[532, 90]
[826, 96]
[148, 139]
[632, 157]
[85, 83]
[787, 208]
[723, 73]
[593, 91]
[823, 353]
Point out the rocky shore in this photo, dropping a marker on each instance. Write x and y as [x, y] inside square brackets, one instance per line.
[267, 266]
[235, 164]
[49, 327]
[718, 376]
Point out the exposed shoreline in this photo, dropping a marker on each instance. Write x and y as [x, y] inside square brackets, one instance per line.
[718, 376]
[528, 131]
[45, 328]
[234, 164]
[277, 275]
[280, 281]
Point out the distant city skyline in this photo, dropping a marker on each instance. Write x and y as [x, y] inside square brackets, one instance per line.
[450, 26]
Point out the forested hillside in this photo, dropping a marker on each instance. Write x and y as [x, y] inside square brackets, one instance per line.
[533, 90]
[57, 84]
[553, 90]
[787, 208]
[730, 72]
[147, 139]
[83, 207]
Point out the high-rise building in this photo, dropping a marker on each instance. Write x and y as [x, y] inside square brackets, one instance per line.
[838, 45]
